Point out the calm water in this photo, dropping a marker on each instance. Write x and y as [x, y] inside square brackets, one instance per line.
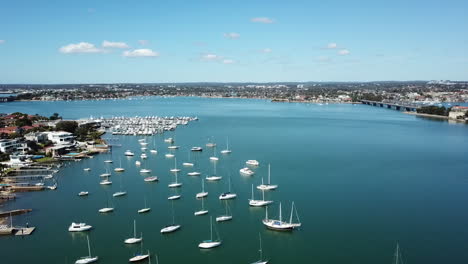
[362, 178]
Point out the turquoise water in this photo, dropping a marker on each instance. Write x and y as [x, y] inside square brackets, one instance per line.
[363, 178]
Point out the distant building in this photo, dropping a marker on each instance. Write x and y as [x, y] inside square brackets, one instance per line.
[61, 137]
[9, 145]
[38, 137]
[458, 112]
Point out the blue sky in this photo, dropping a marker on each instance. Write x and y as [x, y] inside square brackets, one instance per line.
[232, 41]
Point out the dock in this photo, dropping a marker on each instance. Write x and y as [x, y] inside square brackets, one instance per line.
[15, 212]
[24, 231]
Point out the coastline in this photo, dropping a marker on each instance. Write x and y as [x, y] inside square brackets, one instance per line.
[427, 115]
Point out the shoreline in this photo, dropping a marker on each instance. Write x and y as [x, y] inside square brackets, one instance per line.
[427, 115]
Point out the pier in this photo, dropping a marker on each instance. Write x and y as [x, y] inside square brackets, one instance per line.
[149, 125]
[395, 105]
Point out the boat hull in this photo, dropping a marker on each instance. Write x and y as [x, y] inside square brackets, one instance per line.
[208, 245]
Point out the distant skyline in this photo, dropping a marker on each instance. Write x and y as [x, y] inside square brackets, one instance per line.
[149, 41]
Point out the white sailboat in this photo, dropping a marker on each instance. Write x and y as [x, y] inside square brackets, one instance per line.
[119, 169]
[87, 169]
[175, 184]
[267, 186]
[226, 216]
[214, 177]
[106, 181]
[151, 179]
[169, 140]
[397, 257]
[128, 153]
[210, 144]
[280, 225]
[188, 163]
[202, 193]
[194, 173]
[173, 227]
[144, 209]
[120, 193]
[89, 258]
[134, 239]
[228, 195]
[83, 193]
[108, 161]
[106, 209]
[196, 149]
[261, 260]
[174, 197]
[246, 171]
[139, 256]
[214, 158]
[169, 155]
[202, 211]
[175, 169]
[227, 150]
[252, 163]
[259, 203]
[207, 244]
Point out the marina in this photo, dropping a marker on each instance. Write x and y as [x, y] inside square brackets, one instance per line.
[149, 125]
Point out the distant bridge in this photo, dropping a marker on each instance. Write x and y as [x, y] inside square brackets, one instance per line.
[395, 105]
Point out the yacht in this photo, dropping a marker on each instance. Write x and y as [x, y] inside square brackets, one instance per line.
[119, 169]
[267, 186]
[107, 174]
[87, 169]
[87, 259]
[196, 149]
[83, 193]
[207, 244]
[143, 156]
[168, 140]
[246, 171]
[228, 195]
[106, 210]
[118, 194]
[138, 163]
[174, 197]
[134, 239]
[139, 257]
[145, 171]
[79, 227]
[153, 151]
[226, 216]
[261, 260]
[202, 211]
[173, 147]
[173, 227]
[280, 225]
[175, 169]
[227, 150]
[252, 163]
[213, 177]
[129, 153]
[202, 193]
[145, 209]
[175, 184]
[151, 179]
[106, 182]
[169, 155]
[108, 161]
[143, 149]
[259, 203]
[194, 173]
[187, 164]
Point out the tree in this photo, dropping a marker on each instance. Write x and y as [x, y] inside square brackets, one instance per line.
[69, 126]
[23, 122]
[55, 116]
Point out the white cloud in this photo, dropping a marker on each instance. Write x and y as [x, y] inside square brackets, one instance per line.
[264, 20]
[143, 42]
[332, 46]
[343, 52]
[323, 59]
[228, 61]
[140, 53]
[2, 41]
[116, 45]
[82, 47]
[232, 35]
[266, 50]
[210, 57]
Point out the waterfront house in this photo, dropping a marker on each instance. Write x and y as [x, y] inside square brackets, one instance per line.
[9, 145]
[61, 137]
[458, 112]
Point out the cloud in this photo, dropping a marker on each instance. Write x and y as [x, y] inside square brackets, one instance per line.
[210, 57]
[143, 42]
[343, 52]
[228, 61]
[266, 50]
[323, 58]
[2, 41]
[263, 20]
[116, 45]
[232, 35]
[332, 46]
[140, 53]
[82, 47]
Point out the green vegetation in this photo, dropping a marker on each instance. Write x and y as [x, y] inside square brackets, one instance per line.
[69, 126]
[434, 110]
[55, 116]
[45, 159]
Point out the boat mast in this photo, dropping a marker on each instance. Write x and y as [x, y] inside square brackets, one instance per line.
[292, 209]
[268, 174]
[266, 213]
[252, 193]
[397, 253]
[89, 248]
[260, 250]
[229, 183]
[134, 228]
[203, 185]
[227, 143]
[263, 195]
[173, 216]
[211, 228]
[280, 218]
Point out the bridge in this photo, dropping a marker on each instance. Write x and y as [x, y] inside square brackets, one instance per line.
[395, 105]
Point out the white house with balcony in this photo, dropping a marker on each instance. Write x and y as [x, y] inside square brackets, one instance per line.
[9, 145]
[61, 137]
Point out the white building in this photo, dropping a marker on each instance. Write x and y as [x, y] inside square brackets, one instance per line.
[458, 112]
[38, 137]
[61, 137]
[9, 145]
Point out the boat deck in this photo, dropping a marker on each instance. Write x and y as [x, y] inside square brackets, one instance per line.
[24, 231]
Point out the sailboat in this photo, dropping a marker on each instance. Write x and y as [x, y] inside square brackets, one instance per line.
[226, 216]
[106, 174]
[119, 169]
[139, 256]
[145, 209]
[83, 193]
[258, 203]
[87, 169]
[106, 209]
[175, 184]
[228, 195]
[213, 177]
[79, 227]
[210, 144]
[106, 181]
[134, 239]
[169, 155]
[202, 211]
[246, 171]
[120, 193]
[267, 186]
[214, 158]
[151, 179]
[260, 261]
[153, 150]
[89, 258]
[188, 164]
[397, 257]
[173, 227]
[206, 244]
[279, 225]
[227, 150]
[202, 193]
[175, 169]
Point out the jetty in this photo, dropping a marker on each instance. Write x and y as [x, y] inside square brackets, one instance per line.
[15, 212]
[395, 105]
